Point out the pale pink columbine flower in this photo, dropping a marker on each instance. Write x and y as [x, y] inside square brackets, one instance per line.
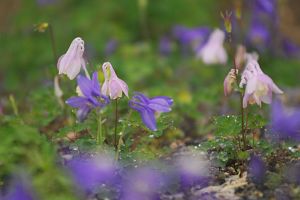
[213, 52]
[113, 86]
[71, 62]
[259, 86]
[229, 81]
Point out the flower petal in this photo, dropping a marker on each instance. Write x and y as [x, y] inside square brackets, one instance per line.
[160, 104]
[141, 97]
[96, 84]
[115, 90]
[77, 102]
[73, 69]
[148, 118]
[82, 113]
[147, 114]
[85, 85]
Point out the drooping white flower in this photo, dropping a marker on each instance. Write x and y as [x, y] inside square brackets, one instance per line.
[71, 62]
[259, 86]
[213, 51]
[112, 86]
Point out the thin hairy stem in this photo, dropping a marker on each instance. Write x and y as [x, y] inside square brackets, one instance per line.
[116, 125]
[99, 131]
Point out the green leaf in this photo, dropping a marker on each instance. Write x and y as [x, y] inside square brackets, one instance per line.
[256, 121]
[229, 125]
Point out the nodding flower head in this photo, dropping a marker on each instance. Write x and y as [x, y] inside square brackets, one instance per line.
[113, 86]
[90, 96]
[71, 62]
[229, 82]
[213, 51]
[259, 86]
[148, 106]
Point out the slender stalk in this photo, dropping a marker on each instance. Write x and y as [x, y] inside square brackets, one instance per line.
[53, 44]
[121, 137]
[116, 125]
[143, 18]
[99, 131]
[242, 108]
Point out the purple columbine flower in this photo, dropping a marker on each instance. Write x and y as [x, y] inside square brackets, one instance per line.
[285, 125]
[90, 96]
[257, 169]
[90, 173]
[148, 106]
[165, 46]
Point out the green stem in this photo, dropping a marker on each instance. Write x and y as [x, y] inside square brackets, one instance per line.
[53, 44]
[116, 125]
[99, 131]
[121, 137]
[242, 108]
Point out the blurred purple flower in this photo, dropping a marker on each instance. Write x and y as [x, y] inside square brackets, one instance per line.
[165, 46]
[93, 172]
[89, 96]
[285, 125]
[193, 38]
[290, 49]
[193, 168]
[20, 189]
[110, 47]
[265, 6]
[148, 106]
[142, 183]
[257, 169]
[258, 35]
